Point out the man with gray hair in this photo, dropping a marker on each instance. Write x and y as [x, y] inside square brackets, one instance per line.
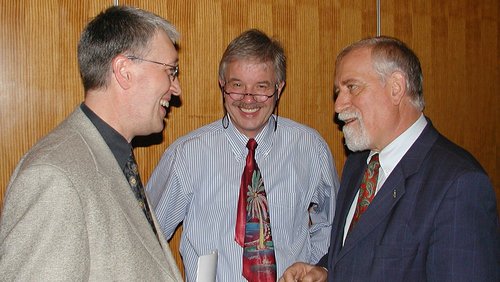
[412, 205]
[75, 208]
[276, 212]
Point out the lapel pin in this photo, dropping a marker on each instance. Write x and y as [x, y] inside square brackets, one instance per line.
[394, 193]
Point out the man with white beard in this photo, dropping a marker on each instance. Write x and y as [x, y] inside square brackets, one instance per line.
[412, 206]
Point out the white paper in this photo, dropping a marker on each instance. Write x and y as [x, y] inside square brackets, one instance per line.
[207, 267]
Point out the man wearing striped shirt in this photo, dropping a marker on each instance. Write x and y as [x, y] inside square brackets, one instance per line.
[197, 180]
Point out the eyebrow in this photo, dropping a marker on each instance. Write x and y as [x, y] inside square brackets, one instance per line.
[349, 80]
[267, 82]
[336, 86]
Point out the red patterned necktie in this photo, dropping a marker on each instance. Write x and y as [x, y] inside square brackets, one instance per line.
[367, 189]
[253, 230]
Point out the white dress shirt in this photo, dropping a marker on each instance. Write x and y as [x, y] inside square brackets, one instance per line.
[197, 182]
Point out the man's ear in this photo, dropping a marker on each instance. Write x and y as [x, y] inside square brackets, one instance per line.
[121, 66]
[280, 88]
[398, 87]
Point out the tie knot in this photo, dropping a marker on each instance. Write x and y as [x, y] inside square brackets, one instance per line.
[252, 144]
[374, 163]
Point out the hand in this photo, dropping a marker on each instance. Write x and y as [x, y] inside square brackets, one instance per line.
[304, 272]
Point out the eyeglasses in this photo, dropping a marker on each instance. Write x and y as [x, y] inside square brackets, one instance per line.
[174, 70]
[238, 94]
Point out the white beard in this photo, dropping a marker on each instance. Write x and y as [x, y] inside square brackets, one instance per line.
[356, 139]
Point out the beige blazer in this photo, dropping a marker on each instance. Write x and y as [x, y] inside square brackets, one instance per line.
[69, 214]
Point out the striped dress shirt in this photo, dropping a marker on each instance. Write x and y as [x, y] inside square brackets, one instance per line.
[197, 182]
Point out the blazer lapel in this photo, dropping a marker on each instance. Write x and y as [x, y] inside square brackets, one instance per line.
[171, 263]
[349, 187]
[389, 194]
[114, 182]
[135, 216]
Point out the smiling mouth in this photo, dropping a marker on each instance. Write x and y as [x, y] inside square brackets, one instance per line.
[348, 117]
[348, 121]
[164, 103]
[249, 111]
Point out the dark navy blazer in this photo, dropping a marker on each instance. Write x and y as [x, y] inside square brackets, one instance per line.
[434, 219]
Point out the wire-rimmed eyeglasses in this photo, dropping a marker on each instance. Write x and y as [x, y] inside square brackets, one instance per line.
[174, 70]
[258, 97]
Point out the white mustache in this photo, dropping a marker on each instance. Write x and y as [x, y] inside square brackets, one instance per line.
[348, 115]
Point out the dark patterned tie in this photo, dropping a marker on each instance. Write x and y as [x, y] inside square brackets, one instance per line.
[367, 189]
[132, 174]
[253, 230]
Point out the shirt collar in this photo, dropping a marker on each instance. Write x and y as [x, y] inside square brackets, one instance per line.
[118, 145]
[239, 141]
[394, 152]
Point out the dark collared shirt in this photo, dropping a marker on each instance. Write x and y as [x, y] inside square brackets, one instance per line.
[118, 145]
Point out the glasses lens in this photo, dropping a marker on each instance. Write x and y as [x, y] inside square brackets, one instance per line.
[174, 72]
[260, 98]
[237, 93]
[236, 96]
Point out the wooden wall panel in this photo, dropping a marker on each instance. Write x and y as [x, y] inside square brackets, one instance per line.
[39, 81]
[457, 41]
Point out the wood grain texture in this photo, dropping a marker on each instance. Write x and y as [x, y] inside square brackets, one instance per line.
[457, 41]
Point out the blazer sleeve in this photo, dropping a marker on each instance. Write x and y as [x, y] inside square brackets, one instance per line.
[43, 231]
[323, 262]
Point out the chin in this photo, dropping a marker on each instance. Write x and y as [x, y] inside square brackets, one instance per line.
[356, 142]
[353, 147]
[159, 128]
